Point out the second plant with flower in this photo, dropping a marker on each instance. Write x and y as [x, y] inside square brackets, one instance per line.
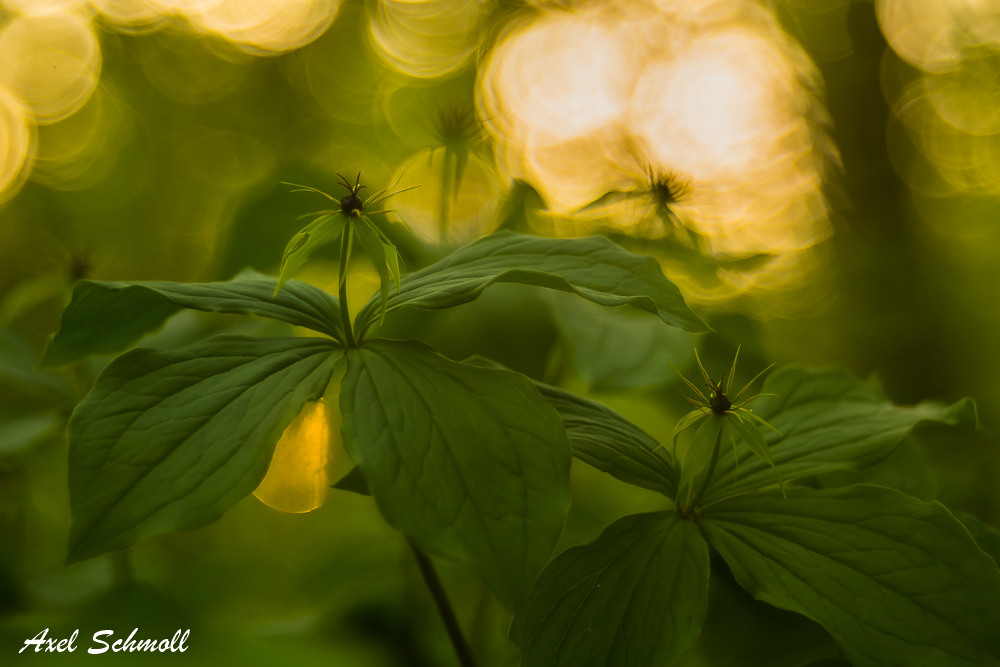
[725, 422]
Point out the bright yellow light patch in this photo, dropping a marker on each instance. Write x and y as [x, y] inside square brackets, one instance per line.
[263, 27]
[711, 94]
[298, 479]
[427, 38]
[52, 61]
[16, 144]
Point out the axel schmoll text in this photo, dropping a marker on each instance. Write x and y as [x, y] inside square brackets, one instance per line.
[103, 641]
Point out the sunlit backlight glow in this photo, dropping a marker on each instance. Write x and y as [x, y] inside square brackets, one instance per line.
[298, 478]
[52, 61]
[426, 38]
[590, 102]
[16, 144]
[129, 15]
[43, 7]
[259, 27]
[558, 78]
[944, 137]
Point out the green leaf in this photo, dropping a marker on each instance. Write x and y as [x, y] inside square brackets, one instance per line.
[169, 440]
[621, 349]
[636, 596]
[707, 439]
[828, 421]
[17, 433]
[592, 267]
[391, 261]
[602, 438]
[986, 536]
[688, 420]
[751, 436]
[19, 379]
[895, 580]
[320, 231]
[607, 441]
[467, 462]
[106, 317]
[905, 470]
[371, 244]
[354, 481]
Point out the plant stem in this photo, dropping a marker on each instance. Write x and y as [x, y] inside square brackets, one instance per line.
[345, 256]
[446, 184]
[458, 642]
[709, 473]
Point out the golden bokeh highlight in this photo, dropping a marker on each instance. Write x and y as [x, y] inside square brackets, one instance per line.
[130, 15]
[44, 7]
[426, 38]
[557, 78]
[17, 144]
[711, 95]
[298, 479]
[933, 35]
[942, 81]
[80, 151]
[262, 27]
[51, 61]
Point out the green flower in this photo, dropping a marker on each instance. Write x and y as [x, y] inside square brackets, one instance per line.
[724, 419]
[350, 219]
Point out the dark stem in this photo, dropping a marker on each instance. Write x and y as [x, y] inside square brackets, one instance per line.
[446, 185]
[461, 647]
[709, 473]
[345, 256]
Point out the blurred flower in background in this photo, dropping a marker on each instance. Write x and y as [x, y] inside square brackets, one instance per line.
[590, 101]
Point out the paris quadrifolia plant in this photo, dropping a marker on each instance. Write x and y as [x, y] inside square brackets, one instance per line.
[346, 222]
[724, 422]
[470, 461]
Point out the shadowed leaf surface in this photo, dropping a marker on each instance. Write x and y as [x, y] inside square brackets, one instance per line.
[635, 596]
[828, 421]
[897, 581]
[592, 267]
[106, 317]
[467, 462]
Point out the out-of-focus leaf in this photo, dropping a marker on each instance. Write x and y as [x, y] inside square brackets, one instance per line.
[635, 596]
[467, 462]
[895, 580]
[619, 349]
[592, 267]
[19, 377]
[106, 317]
[324, 229]
[17, 433]
[828, 421]
[169, 440]
[28, 294]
